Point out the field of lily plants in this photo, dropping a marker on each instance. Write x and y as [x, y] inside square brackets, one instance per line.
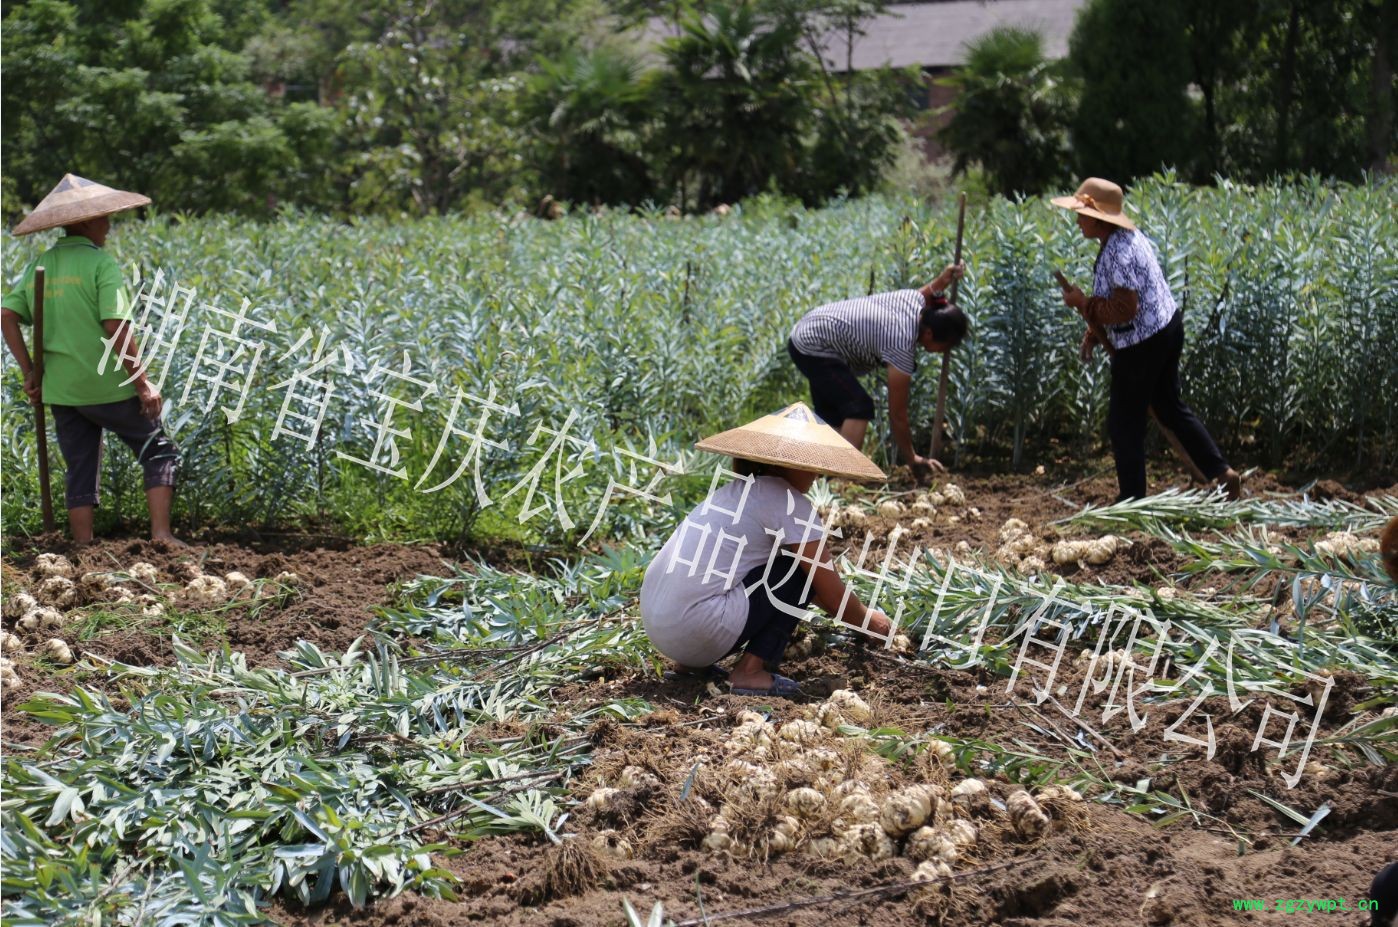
[399, 676]
[631, 329]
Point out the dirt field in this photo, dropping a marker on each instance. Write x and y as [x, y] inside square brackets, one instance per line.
[1094, 864]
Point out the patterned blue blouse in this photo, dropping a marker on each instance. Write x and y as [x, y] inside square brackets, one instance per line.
[1129, 261]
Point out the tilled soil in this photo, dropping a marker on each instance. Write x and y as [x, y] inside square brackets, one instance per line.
[1097, 866]
[333, 602]
[1100, 867]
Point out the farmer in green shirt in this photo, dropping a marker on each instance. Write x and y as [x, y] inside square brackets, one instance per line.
[87, 328]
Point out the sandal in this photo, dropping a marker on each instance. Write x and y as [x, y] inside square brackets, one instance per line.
[714, 673]
[781, 687]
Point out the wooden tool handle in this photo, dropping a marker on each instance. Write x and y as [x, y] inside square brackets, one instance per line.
[944, 378]
[41, 433]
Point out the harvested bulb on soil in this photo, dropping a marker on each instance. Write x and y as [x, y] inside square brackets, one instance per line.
[843, 705]
[1026, 817]
[962, 833]
[970, 793]
[20, 604]
[931, 843]
[931, 870]
[53, 565]
[1092, 553]
[1344, 545]
[718, 839]
[806, 733]
[805, 802]
[57, 650]
[785, 832]
[611, 844]
[97, 582]
[634, 777]
[601, 798]
[58, 591]
[905, 811]
[207, 590]
[41, 619]
[9, 677]
[868, 841]
[144, 572]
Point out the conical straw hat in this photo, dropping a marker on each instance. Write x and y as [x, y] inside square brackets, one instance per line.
[795, 438]
[77, 199]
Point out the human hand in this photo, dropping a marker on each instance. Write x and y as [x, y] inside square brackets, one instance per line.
[878, 622]
[32, 387]
[1074, 298]
[924, 467]
[1089, 343]
[151, 400]
[949, 273]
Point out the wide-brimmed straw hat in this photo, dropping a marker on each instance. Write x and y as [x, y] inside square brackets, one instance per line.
[796, 438]
[77, 199]
[1098, 198]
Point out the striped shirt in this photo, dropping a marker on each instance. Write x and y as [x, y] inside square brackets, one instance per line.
[866, 333]
[1129, 261]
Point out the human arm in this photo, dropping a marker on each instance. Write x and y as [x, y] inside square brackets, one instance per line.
[14, 340]
[830, 592]
[126, 350]
[943, 280]
[1119, 308]
[1089, 343]
[900, 386]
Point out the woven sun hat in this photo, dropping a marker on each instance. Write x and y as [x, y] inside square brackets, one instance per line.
[77, 199]
[794, 437]
[1098, 198]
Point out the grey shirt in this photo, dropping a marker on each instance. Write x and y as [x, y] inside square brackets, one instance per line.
[866, 333]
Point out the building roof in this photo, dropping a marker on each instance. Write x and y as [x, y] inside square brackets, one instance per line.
[934, 35]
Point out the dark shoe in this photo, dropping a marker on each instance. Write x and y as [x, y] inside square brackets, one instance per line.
[714, 673]
[781, 687]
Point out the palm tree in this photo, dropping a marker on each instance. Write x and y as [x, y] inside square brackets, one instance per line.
[1011, 114]
[735, 99]
[590, 107]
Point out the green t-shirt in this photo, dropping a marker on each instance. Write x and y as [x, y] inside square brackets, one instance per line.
[82, 288]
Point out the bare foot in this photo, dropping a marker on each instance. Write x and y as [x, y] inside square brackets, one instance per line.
[168, 541]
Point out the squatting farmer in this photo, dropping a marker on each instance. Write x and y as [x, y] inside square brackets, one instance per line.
[835, 344]
[86, 308]
[1131, 304]
[738, 572]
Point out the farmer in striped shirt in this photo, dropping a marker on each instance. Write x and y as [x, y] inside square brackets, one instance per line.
[835, 344]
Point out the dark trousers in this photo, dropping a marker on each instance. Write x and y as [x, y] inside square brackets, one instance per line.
[769, 628]
[1146, 376]
[80, 439]
[836, 393]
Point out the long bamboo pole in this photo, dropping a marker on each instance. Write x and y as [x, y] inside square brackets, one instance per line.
[939, 419]
[40, 421]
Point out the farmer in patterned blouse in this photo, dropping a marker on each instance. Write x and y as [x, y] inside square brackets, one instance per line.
[835, 344]
[1131, 306]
